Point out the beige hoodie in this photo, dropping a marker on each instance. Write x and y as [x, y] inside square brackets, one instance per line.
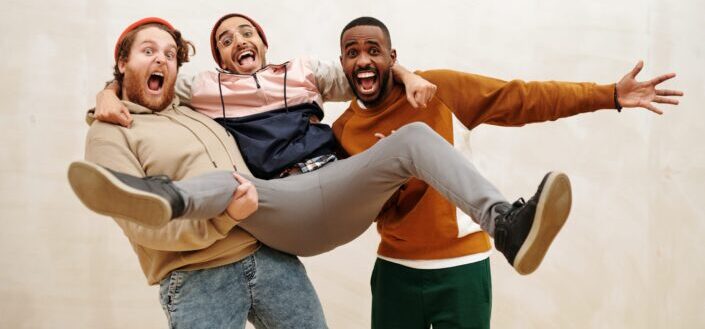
[179, 143]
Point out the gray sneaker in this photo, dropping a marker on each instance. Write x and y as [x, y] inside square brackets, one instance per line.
[525, 230]
[150, 201]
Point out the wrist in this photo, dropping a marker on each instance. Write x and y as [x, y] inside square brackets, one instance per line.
[400, 73]
[617, 105]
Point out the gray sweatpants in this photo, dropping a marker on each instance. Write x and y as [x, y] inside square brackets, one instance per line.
[313, 213]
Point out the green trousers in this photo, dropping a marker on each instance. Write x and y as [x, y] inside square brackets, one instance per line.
[450, 298]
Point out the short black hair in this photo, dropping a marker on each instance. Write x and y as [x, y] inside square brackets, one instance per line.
[368, 21]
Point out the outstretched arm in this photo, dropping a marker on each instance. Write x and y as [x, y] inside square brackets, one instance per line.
[632, 93]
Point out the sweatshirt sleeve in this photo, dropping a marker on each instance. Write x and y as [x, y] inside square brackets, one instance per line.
[182, 88]
[330, 80]
[476, 99]
[108, 147]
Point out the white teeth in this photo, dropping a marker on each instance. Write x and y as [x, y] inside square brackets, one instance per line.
[249, 52]
[158, 74]
[363, 75]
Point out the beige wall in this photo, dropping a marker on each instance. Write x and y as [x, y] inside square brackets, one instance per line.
[631, 255]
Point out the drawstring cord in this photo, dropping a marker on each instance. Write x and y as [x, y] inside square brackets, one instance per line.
[215, 134]
[208, 152]
[220, 90]
[286, 105]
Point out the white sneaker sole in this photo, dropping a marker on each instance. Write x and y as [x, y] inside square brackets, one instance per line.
[103, 193]
[552, 212]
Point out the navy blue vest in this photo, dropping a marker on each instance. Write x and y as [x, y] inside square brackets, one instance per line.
[273, 141]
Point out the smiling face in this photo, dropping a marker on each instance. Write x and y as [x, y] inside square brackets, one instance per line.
[150, 69]
[240, 46]
[367, 60]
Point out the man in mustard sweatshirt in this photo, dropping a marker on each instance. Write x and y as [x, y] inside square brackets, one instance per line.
[444, 281]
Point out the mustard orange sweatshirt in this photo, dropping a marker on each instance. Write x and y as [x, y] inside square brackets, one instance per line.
[418, 223]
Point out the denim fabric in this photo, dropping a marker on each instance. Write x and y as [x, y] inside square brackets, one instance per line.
[268, 288]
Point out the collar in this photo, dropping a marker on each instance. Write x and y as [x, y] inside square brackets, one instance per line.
[135, 108]
[392, 97]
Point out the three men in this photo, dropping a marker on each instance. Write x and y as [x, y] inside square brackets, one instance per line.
[373, 86]
[194, 260]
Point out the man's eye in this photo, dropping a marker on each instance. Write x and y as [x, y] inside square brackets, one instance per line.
[170, 55]
[226, 41]
[247, 34]
[352, 53]
[374, 51]
[148, 51]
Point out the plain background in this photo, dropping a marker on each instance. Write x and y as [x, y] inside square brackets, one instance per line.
[631, 255]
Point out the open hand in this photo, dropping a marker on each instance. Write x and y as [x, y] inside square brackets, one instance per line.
[632, 93]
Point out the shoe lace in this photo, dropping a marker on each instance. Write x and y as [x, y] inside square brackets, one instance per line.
[518, 203]
[505, 220]
[508, 216]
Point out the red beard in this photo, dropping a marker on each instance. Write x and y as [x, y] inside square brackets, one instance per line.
[135, 84]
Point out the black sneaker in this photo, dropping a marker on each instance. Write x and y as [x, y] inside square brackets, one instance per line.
[524, 230]
[151, 201]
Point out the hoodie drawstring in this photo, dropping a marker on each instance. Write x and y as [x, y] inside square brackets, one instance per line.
[286, 105]
[220, 90]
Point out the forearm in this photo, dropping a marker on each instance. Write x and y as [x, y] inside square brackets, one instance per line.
[401, 74]
[519, 103]
[476, 99]
[179, 234]
[330, 80]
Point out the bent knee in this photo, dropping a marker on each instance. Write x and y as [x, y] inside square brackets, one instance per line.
[415, 130]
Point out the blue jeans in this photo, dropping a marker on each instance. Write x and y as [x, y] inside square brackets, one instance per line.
[269, 288]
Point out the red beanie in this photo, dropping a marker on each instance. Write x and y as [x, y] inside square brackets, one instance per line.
[214, 43]
[144, 21]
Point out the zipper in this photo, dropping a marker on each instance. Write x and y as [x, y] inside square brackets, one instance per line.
[260, 91]
[254, 75]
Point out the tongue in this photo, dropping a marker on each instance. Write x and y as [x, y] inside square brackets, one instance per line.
[367, 83]
[153, 83]
[247, 60]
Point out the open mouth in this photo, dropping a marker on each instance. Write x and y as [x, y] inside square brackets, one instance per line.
[246, 57]
[155, 81]
[367, 81]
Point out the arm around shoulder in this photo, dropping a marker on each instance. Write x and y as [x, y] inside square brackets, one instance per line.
[330, 80]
